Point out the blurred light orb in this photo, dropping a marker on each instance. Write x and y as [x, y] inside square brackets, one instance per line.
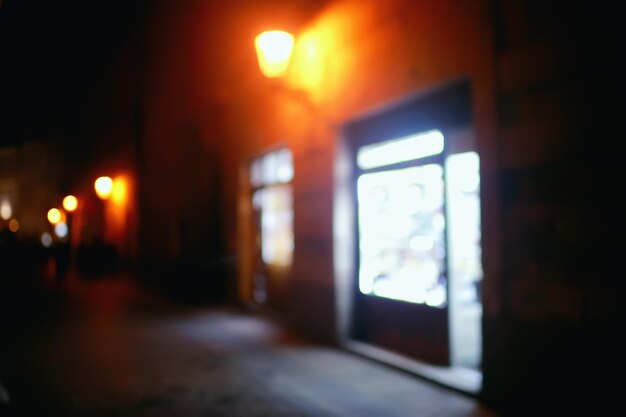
[46, 239]
[54, 215]
[274, 49]
[70, 203]
[5, 209]
[103, 187]
[14, 225]
[60, 229]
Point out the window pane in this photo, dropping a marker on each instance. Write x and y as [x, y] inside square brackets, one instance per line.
[277, 225]
[400, 150]
[256, 173]
[257, 199]
[464, 246]
[284, 162]
[402, 229]
[269, 168]
[274, 203]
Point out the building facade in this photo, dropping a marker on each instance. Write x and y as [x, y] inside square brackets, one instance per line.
[260, 191]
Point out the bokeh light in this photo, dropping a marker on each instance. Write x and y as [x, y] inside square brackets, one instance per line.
[274, 52]
[14, 225]
[5, 209]
[60, 229]
[54, 215]
[46, 239]
[103, 187]
[70, 203]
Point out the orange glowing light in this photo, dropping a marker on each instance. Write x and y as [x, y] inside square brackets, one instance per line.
[103, 187]
[70, 203]
[14, 225]
[54, 215]
[274, 49]
[119, 194]
[307, 66]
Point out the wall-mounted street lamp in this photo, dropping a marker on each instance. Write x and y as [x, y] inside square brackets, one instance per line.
[5, 209]
[55, 216]
[70, 203]
[103, 187]
[274, 50]
[57, 219]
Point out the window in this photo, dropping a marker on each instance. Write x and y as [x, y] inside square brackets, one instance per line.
[402, 221]
[407, 192]
[270, 176]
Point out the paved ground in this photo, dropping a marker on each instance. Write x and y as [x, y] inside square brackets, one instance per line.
[105, 348]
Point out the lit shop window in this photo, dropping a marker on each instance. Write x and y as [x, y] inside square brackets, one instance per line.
[402, 217]
[464, 238]
[400, 150]
[273, 202]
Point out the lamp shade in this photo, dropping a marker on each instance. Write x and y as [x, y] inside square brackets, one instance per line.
[273, 50]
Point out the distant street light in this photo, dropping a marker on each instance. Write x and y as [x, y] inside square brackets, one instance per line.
[54, 216]
[70, 203]
[5, 209]
[104, 187]
[274, 52]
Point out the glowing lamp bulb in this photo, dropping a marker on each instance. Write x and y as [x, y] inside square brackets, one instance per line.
[54, 215]
[70, 203]
[5, 209]
[104, 187]
[273, 50]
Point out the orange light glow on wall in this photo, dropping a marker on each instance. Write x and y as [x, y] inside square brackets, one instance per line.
[120, 191]
[117, 212]
[273, 50]
[70, 203]
[54, 215]
[103, 187]
[308, 62]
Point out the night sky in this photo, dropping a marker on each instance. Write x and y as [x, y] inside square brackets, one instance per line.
[51, 55]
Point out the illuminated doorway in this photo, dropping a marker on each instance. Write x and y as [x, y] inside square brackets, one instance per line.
[414, 175]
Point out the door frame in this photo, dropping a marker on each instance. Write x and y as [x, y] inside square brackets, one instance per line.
[448, 108]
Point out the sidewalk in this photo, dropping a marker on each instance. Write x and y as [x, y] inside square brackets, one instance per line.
[111, 349]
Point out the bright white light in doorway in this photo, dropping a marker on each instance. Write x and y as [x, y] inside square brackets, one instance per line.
[399, 150]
